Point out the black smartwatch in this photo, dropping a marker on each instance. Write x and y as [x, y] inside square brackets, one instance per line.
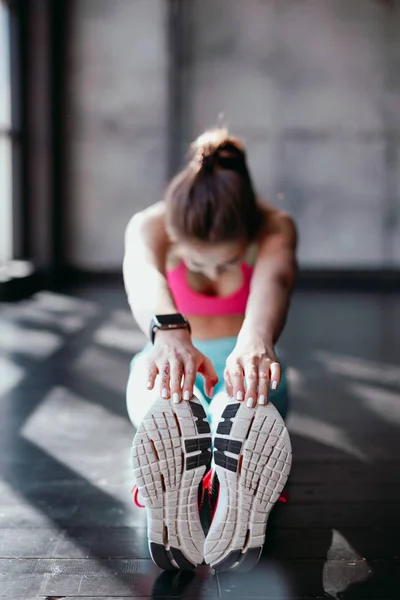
[168, 322]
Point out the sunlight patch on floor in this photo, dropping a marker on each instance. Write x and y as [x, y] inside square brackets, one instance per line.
[324, 433]
[340, 546]
[88, 439]
[337, 585]
[61, 303]
[17, 511]
[111, 335]
[35, 343]
[10, 375]
[358, 368]
[384, 403]
[99, 366]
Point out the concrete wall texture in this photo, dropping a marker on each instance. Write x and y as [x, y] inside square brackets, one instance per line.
[312, 86]
[118, 68]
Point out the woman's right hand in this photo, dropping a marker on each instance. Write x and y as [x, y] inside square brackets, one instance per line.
[175, 359]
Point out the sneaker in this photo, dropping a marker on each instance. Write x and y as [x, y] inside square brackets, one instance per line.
[170, 452]
[211, 488]
[252, 455]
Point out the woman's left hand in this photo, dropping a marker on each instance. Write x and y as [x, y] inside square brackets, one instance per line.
[253, 362]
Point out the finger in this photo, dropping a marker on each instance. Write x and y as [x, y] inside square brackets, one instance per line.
[251, 377]
[228, 383]
[164, 371]
[206, 369]
[152, 372]
[236, 375]
[176, 373]
[263, 381]
[276, 374]
[189, 377]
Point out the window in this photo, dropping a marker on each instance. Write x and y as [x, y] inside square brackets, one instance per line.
[6, 135]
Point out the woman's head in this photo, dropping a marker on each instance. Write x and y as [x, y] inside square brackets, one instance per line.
[211, 201]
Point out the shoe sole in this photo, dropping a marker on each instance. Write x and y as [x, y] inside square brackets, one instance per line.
[170, 452]
[252, 455]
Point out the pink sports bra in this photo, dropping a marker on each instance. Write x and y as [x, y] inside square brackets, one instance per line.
[190, 302]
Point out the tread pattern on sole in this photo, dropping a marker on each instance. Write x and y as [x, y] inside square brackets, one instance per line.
[229, 413]
[222, 445]
[170, 452]
[202, 425]
[226, 445]
[226, 462]
[201, 445]
[249, 484]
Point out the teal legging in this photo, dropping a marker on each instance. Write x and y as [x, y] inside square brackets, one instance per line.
[217, 351]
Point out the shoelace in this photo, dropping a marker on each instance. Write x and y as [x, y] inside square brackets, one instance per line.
[135, 493]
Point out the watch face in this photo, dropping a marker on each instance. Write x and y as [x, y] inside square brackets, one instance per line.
[166, 320]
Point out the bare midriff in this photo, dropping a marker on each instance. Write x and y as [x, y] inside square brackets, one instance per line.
[212, 327]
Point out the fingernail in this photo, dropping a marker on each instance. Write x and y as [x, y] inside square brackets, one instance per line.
[186, 395]
[175, 398]
[239, 395]
[261, 399]
[212, 392]
[250, 402]
[274, 385]
[164, 393]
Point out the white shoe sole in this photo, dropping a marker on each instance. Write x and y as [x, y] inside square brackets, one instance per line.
[252, 460]
[170, 452]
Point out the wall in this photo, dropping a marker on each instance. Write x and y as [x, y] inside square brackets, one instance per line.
[311, 86]
[117, 130]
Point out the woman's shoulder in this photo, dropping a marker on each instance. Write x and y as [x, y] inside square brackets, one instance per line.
[147, 227]
[149, 222]
[153, 223]
[149, 217]
[275, 222]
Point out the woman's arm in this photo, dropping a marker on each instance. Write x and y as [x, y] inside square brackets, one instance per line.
[272, 283]
[173, 356]
[146, 248]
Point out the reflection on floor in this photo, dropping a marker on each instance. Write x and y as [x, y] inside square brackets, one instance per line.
[68, 527]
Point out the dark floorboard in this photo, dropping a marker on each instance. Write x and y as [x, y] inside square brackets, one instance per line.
[68, 527]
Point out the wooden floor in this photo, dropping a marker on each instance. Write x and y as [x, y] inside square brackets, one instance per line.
[68, 527]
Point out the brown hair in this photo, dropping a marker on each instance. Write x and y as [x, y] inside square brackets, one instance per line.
[212, 198]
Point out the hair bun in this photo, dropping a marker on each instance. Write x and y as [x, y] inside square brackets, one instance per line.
[217, 147]
[207, 157]
[229, 149]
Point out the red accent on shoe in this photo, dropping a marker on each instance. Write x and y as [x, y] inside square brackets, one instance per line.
[284, 498]
[213, 492]
[135, 492]
[205, 485]
[207, 479]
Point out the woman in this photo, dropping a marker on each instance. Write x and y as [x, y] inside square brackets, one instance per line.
[209, 273]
